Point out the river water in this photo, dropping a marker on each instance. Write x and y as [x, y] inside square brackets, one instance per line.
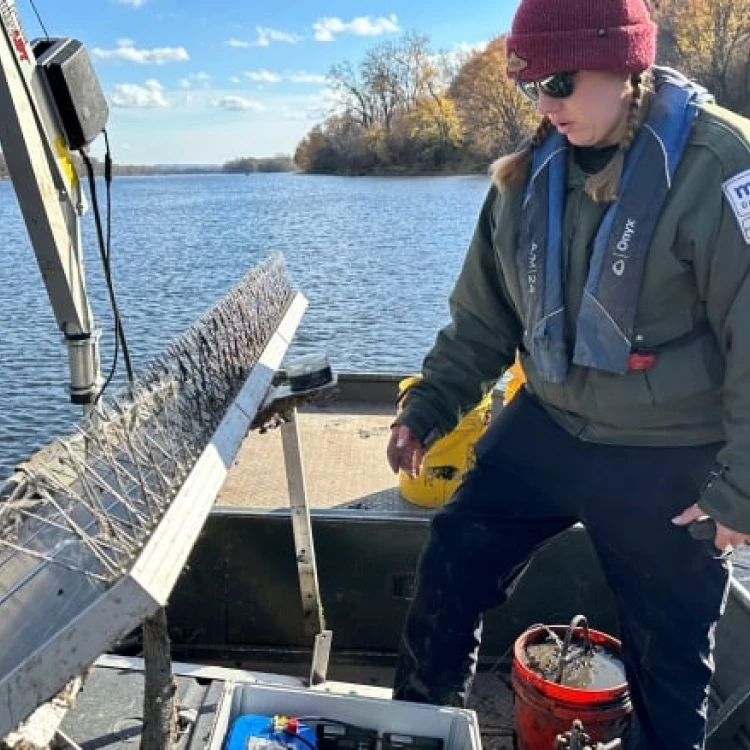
[376, 258]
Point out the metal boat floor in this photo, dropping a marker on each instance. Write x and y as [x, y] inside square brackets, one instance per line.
[343, 452]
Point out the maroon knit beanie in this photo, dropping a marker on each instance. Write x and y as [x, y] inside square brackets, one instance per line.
[553, 36]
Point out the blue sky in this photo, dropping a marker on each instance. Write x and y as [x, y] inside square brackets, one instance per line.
[205, 81]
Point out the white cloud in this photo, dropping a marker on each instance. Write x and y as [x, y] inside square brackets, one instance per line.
[328, 99]
[131, 95]
[327, 96]
[294, 115]
[202, 80]
[268, 76]
[310, 114]
[238, 43]
[469, 48]
[239, 104]
[133, 3]
[326, 29]
[265, 37]
[462, 51]
[234, 79]
[263, 76]
[127, 52]
[202, 132]
[450, 61]
[302, 77]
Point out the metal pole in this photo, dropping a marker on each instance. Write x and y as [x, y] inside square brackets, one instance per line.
[312, 609]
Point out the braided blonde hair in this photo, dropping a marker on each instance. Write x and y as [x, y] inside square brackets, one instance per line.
[511, 170]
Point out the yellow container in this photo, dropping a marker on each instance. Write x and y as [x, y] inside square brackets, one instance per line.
[448, 459]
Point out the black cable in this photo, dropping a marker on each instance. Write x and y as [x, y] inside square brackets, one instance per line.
[105, 251]
[107, 255]
[39, 18]
[112, 370]
[108, 183]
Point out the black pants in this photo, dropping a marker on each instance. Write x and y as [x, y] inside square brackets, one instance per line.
[532, 481]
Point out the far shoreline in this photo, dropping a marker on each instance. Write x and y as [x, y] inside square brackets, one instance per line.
[156, 171]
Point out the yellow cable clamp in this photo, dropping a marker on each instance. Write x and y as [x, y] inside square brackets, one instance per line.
[63, 154]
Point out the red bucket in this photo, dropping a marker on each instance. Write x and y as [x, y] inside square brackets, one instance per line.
[544, 709]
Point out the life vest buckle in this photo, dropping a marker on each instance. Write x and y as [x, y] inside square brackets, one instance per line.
[641, 361]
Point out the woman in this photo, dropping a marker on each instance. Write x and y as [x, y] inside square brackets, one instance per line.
[613, 254]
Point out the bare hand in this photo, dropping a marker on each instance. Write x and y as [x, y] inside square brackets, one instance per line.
[405, 451]
[726, 539]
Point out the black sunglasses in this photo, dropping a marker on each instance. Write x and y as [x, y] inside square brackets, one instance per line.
[557, 86]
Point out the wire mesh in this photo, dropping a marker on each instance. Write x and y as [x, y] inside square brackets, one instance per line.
[89, 501]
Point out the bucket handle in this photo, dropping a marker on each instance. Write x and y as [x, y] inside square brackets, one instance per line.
[579, 621]
[551, 633]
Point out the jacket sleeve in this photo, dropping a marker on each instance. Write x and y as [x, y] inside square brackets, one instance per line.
[474, 349]
[726, 496]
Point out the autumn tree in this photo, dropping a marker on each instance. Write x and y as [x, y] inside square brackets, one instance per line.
[340, 145]
[346, 83]
[435, 130]
[495, 115]
[712, 38]
[391, 78]
[663, 12]
[314, 154]
[405, 108]
[418, 69]
[383, 84]
[395, 97]
[350, 144]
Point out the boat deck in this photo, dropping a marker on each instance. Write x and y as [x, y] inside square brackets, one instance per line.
[343, 446]
[343, 443]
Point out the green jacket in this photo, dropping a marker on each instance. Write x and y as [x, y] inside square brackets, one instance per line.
[693, 312]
